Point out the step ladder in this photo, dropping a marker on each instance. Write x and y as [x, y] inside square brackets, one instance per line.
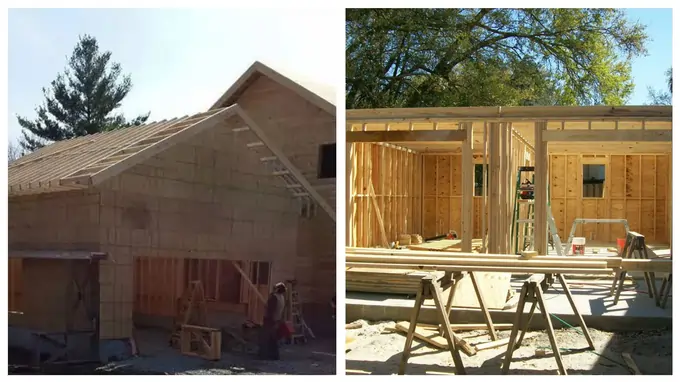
[192, 310]
[524, 195]
[275, 167]
[300, 328]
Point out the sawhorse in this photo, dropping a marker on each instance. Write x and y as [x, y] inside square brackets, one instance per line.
[429, 289]
[532, 291]
[635, 247]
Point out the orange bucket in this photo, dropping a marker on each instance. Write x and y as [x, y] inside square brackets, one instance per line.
[620, 243]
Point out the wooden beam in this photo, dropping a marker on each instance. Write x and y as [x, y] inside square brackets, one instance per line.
[607, 136]
[479, 268]
[405, 136]
[468, 189]
[381, 223]
[250, 283]
[533, 263]
[284, 160]
[541, 190]
[510, 113]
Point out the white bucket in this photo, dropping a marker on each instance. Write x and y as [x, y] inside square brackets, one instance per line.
[578, 245]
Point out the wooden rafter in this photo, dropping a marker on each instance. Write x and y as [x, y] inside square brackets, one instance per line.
[285, 161]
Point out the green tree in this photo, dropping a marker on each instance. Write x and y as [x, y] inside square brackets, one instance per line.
[82, 100]
[660, 97]
[476, 57]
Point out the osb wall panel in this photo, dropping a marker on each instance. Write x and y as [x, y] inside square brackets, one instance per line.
[54, 221]
[394, 174]
[295, 125]
[636, 188]
[443, 190]
[208, 197]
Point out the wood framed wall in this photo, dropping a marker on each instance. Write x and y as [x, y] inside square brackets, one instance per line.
[637, 188]
[393, 174]
[159, 283]
[443, 191]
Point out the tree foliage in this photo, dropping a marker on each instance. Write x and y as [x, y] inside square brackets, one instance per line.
[14, 152]
[82, 100]
[660, 97]
[479, 57]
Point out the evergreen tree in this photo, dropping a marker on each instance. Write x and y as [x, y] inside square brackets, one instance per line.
[80, 101]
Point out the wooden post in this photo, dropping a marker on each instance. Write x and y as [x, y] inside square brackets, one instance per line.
[494, 167]
[541, 190]
[349, 187]
[485, 207]
[468, 190]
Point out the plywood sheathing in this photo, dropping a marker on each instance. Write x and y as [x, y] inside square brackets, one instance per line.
[636, 188]
[443, 190]
[394, 173]
[299, 126]
[208, 197]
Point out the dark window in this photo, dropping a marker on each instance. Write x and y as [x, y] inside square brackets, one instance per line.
[263, 273]
[479, 174]
[593, 180]
[327, 161]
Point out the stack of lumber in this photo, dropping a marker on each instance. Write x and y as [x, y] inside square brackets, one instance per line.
[390, 281]
[477, 262]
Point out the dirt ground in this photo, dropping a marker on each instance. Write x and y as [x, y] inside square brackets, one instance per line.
[316, 357]
[376, 353]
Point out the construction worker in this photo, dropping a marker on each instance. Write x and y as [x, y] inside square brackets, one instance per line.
[273, 320]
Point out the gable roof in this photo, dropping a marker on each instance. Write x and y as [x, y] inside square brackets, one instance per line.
[84, 161]
[317, 94]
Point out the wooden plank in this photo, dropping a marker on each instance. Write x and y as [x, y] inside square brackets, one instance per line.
[541, 190]
[468, 189]
[378, 215]
[499, 343]
[284, 160]
[405, 136]
[476, 268]
[607, 135]
[250, 283]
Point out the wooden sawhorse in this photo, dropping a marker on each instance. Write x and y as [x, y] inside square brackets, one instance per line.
[532, 291]
[635, 247]
[429, 288]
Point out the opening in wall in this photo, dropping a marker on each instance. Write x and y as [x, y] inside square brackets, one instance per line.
[593, 180]
[326, 161]
[479, 174]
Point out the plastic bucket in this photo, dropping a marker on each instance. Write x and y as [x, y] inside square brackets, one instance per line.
[620, 243]
[578, 246]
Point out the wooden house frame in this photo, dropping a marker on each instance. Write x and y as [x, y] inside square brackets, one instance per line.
[230, 196]
[412, 171]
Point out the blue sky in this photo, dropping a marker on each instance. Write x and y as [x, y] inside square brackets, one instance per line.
[180, 60]
[650, 70]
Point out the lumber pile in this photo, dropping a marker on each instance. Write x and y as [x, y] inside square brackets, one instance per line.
[459, 261]
[389, 281]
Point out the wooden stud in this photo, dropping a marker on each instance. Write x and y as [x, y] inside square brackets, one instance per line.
[468, 189]
[541, 190]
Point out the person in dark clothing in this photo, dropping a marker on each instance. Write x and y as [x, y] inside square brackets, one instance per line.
[273, 319]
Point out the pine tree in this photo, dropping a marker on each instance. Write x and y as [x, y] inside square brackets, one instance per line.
[80, 101]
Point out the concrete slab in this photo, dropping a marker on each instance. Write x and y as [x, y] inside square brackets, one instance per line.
[634, 311]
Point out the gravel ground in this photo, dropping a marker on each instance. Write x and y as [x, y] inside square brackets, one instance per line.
[314, 358]
[376, 353]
